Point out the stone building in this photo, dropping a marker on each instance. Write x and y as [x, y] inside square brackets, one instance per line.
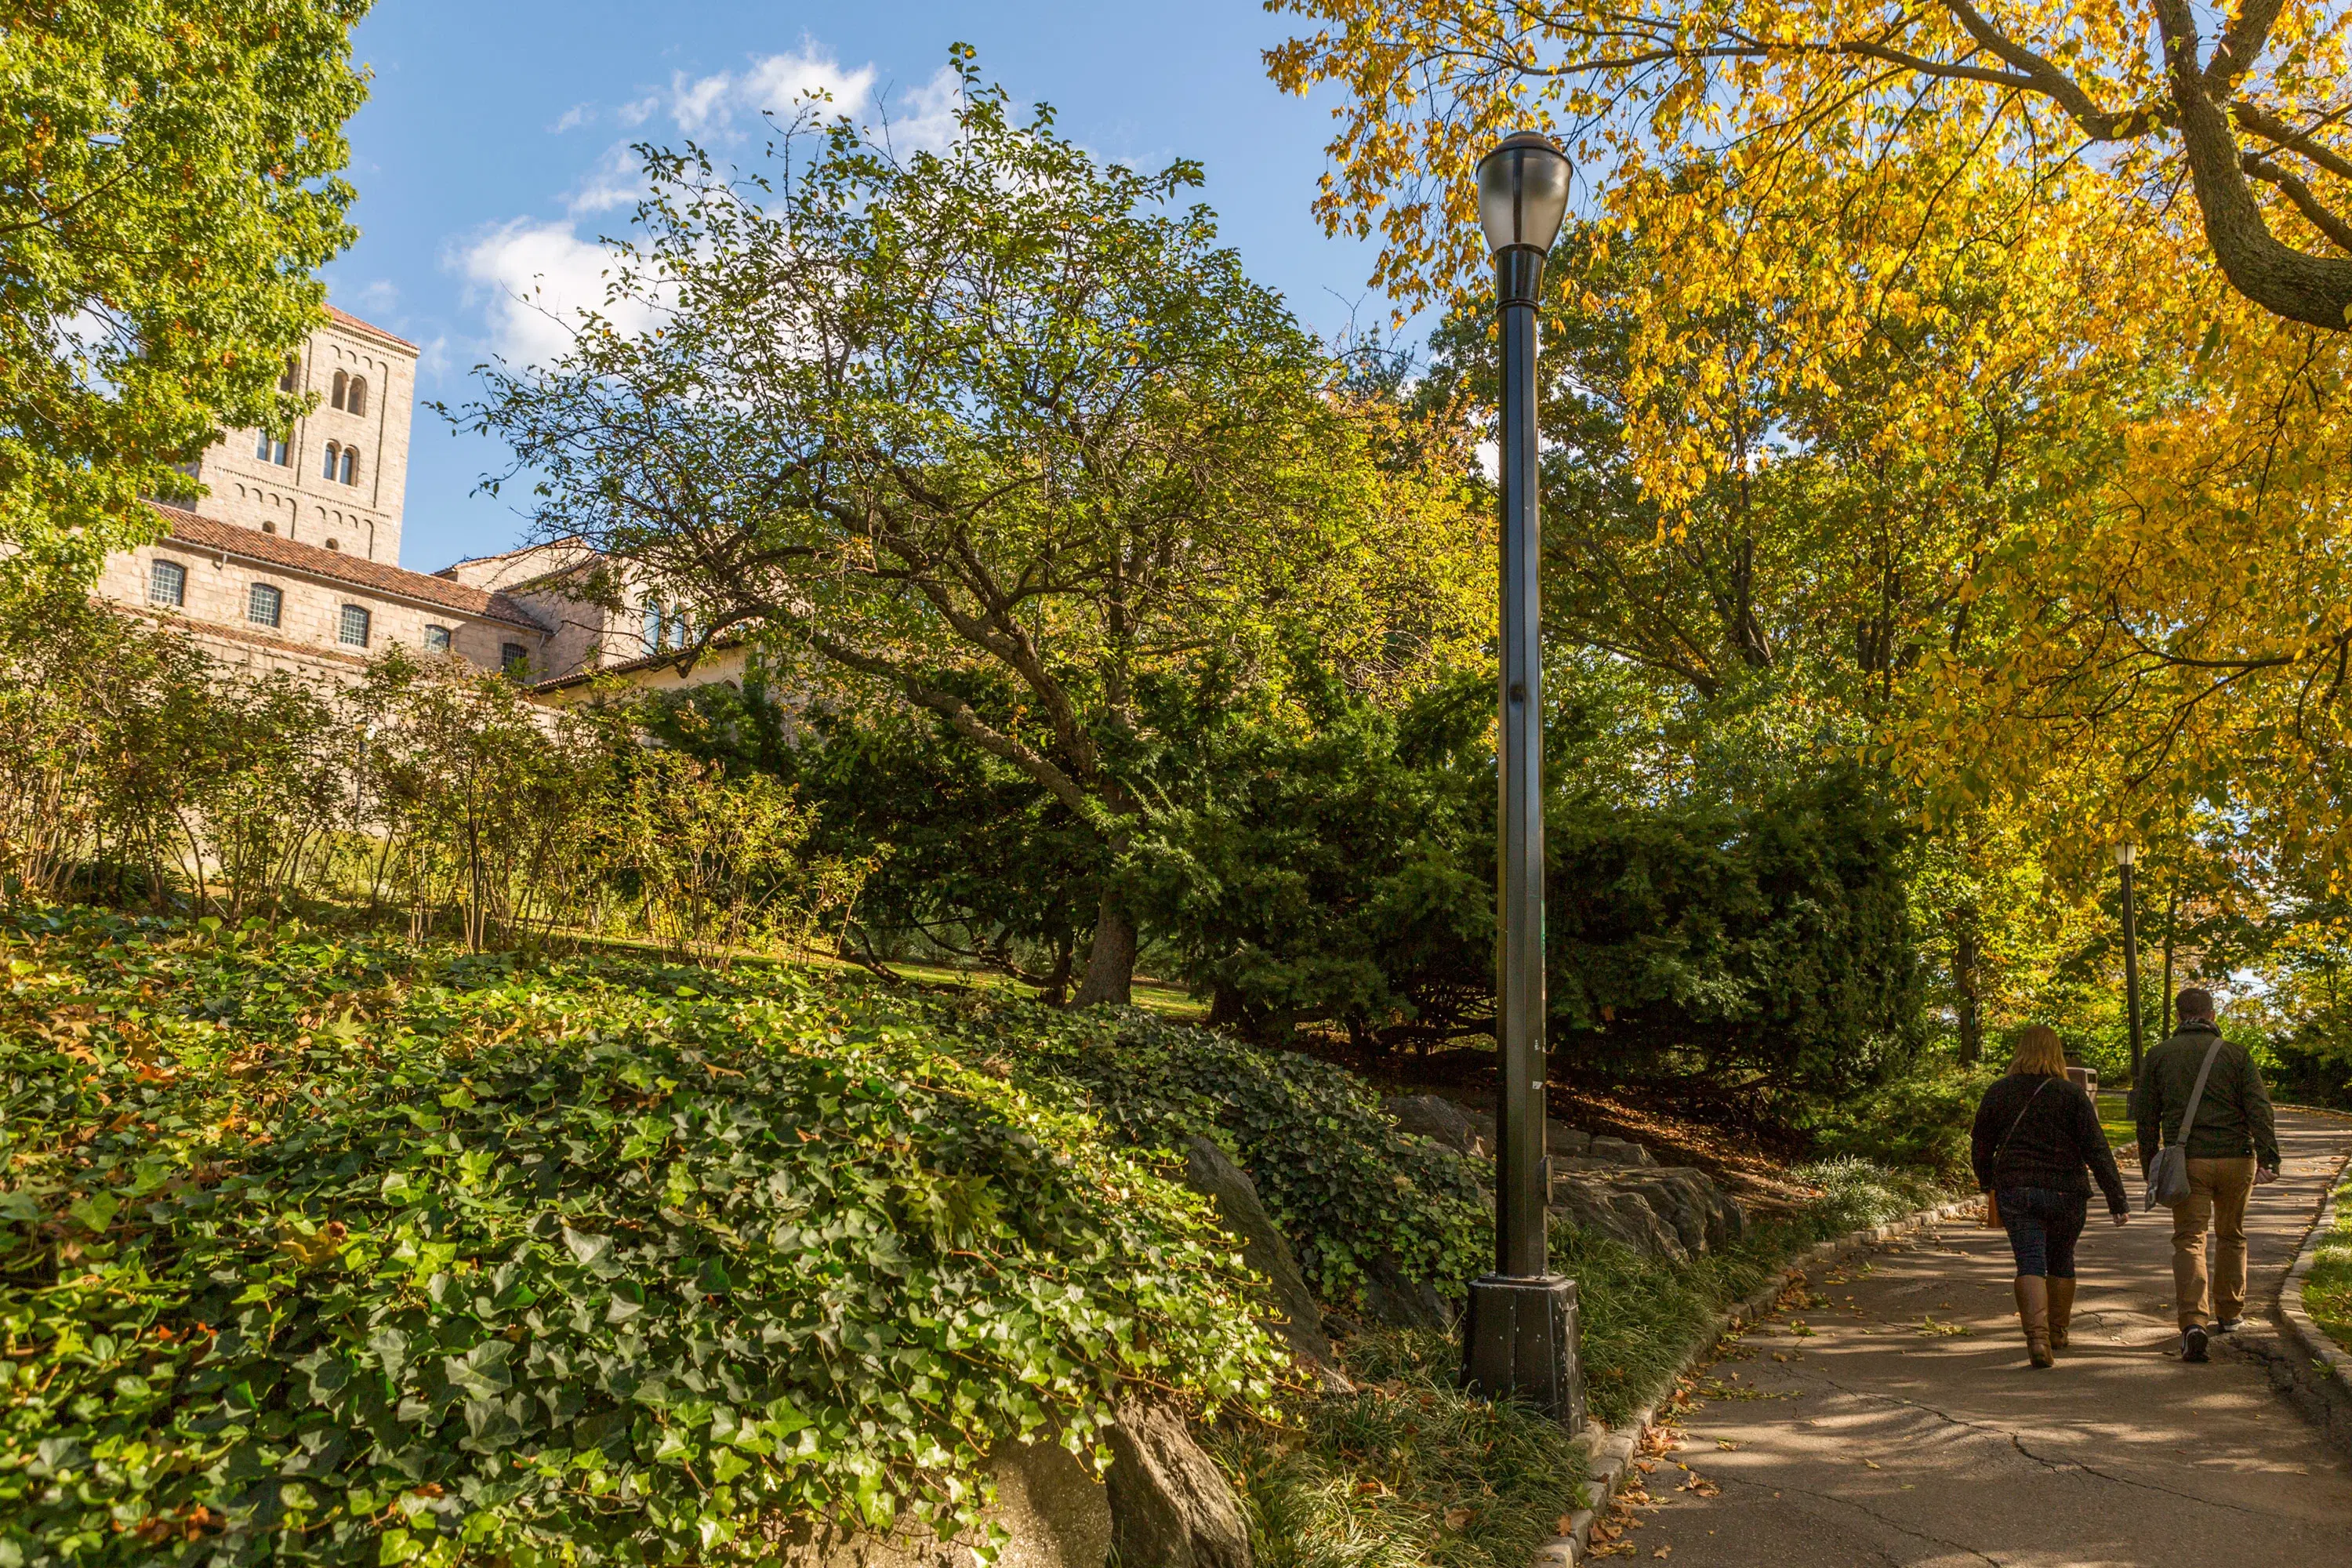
[291, 559]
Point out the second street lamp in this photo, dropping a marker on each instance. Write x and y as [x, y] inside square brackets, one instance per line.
[1519, 1334]
[2125, 854]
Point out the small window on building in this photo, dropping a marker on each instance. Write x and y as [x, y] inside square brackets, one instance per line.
[437, 638]
[358, 404]
[290, 380]
[328, 469]
[167, 583]
[514, 658]
[269, 528]
[284, 457]
[352, 630]
[351, 465]
[342, 382]
[652, 636]
[265, 605]
[334, 544]
[261, 445]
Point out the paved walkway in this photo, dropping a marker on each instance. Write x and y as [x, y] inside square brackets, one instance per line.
[1861, 1430]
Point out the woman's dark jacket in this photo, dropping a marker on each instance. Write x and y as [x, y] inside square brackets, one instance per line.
[2055, 1138]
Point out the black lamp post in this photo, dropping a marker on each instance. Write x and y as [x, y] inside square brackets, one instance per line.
[2125, 854]
[1519, 1335]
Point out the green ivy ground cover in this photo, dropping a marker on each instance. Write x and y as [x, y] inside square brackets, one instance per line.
[315, 1251]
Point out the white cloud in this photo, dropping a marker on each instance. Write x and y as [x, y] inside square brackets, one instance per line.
[784, 83]
[574, 118]
[617, 180]
[533, 280]
[380, 297]
[638, 113]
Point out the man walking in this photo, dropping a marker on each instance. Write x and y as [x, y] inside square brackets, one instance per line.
[2233, 1147]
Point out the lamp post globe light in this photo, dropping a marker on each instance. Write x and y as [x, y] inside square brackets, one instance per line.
[1519, 1333]
[2126, 855]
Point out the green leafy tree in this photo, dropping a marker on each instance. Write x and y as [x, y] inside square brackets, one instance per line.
[998, 416]
[169, 183]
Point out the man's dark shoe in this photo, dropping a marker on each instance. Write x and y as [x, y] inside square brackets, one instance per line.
[2192, 1342]
[2228, 1325]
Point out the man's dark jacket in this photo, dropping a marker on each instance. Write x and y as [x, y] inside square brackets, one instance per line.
[2233, 1120]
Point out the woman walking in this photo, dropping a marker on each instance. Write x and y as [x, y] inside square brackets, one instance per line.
[2036, 1132]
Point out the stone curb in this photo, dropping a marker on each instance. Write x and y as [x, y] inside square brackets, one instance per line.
[1609, 1451]
[2321, 1352]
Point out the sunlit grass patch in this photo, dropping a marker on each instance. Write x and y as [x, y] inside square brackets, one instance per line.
[2327, 1289]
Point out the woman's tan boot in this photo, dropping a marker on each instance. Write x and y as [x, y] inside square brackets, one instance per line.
[2034, 1314]
[2062, 1310]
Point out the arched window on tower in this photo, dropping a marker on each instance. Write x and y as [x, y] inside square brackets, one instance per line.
[358, 396]
[261, 445]
[289, 381]
[333, 452]
[351, 465]
[341, 381]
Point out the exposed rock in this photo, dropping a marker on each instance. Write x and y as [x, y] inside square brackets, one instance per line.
[1593, 1202]
[1393, 1297]
[1056, 1514]
[1170, 1504]
[1667, 1211]
[1687, 1199]
[1621, 1151]
[1209, 1171]
[1440, 1121]
[1560, 1138]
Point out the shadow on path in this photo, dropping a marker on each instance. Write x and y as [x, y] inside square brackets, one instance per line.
[1894, 1419]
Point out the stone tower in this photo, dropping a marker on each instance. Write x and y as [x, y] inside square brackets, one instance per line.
[338, 478]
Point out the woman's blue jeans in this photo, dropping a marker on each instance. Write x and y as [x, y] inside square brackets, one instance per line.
[2042, 1226]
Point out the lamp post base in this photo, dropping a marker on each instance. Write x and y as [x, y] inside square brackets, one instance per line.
[1520, 1342]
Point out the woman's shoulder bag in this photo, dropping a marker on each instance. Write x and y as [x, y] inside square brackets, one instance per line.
[1992, 1195]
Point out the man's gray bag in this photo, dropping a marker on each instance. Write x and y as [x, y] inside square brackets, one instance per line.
[2168, 1173]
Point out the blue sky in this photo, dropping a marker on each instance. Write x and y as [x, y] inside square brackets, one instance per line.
[493, 152]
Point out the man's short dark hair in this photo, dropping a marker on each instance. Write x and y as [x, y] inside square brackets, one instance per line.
[2194, 1002]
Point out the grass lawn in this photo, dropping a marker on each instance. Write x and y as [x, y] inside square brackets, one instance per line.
[2116, 1121]
[2327, 1291]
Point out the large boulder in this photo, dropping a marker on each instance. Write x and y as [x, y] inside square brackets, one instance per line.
[1396, 1299]
[1667, 1211]
[1170, 1505]
[1594, 1203]
[1440, 1121]
[1209, 1171]
[1620, 1152]
[1560, 1139]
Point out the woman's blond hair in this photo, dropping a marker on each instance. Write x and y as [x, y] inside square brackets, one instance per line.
[2039, 1053]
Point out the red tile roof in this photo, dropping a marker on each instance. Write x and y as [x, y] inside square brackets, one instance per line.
[344, 317]
[275, 550]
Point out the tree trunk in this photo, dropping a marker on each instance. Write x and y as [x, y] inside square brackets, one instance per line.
[1964, 983]
[1110, 961]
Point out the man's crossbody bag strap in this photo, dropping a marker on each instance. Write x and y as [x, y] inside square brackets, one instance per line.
[1992, 1198]
[2168, 1173]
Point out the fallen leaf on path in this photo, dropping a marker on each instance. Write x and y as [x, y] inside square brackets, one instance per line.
[1871, 1463]
[1725, 1443]
[1663, 1551]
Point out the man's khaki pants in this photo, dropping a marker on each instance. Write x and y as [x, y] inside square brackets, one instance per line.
[2216, 1201]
